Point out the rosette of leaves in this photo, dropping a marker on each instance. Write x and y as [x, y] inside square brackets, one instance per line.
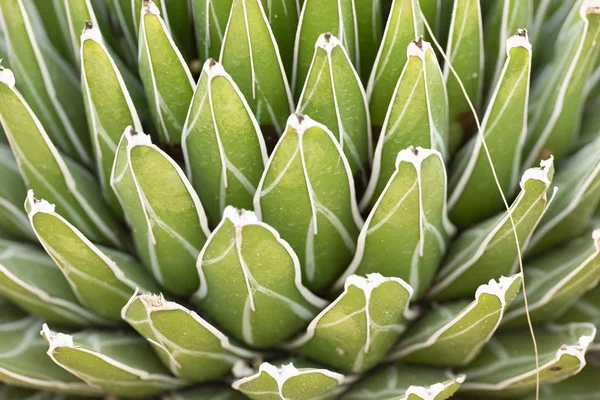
[299, 199]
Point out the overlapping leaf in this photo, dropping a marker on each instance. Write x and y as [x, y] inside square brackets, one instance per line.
[13, 220]
[207, 392]
[369, 26]
[210, 22]
[582, 386]
[587, 309]
[283, 18]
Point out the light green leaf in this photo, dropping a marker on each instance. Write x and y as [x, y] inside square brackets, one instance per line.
[307, 194]
[23, 360]
[31, 280]
[333, 95]
[475, 195]
[404, 24]
[587, 309]
[317, 17]
[102, 279]
[108, 103]
[406, 232]
[176, 14]
[188, 345]
[48, 83]
[223, 146]
[167, 220]
[507, 368]
[465, 53]
[53, 177]
[283, 17]
[558, 98]
[247, 257]
[166, 77]
[119, 363]
[452, 334]
[417, 116]
[210, 22]
[13, 220]
[488, 250]
[207, 392]
[250, 54]
[576, 200]
[550, 15]
[557, 280]
[77, 13]
[53, 18]
[402, 382]
[583, 386]
[369, 25]
[291, 383]
[355, 332]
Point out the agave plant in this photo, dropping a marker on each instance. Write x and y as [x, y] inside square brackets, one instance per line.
[299, 199]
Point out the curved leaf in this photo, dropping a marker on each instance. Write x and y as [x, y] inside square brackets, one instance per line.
[207, 392]
[13, 220]
[582, 386]
[587, 309]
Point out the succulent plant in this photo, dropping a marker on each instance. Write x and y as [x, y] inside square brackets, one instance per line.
[299, 199]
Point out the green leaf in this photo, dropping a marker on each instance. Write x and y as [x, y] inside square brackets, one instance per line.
[452, 334]
[53, 177]
[248, 257]
[307, 194]
[31, 280]
[166, 77]
[576, 200]
[558, 98]
[49, 84]
[507, 367]
[119, 363]
[401, 382]
[53, 18]
[582, 386]
[207, 392]
[406, 232]
[188, 345]
[222, 144]
[369, 25]
[550, 15]
[210, 22]
[404, 24]
[250, 54]
[126, 13]
[333, 95]
[23, 360]
[316, 18]
[475, 195]
[587, 309]
[355, 332]
[102, 279]
[164, 212]
[465, 53]
[77, 13]
[291, 383]
[176, 15]
[488, 250]
[108, 103]
[557, 281]
[13, 220]
[283, 17]
[15, 393]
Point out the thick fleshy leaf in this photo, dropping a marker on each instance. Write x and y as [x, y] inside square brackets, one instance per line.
[576, 200]
[207, 392]
[506, 17]
[52, 16]
[452, 334]
[307, 194]
[13, 220]
[369, 25]
[126, 13]
[119, 363]
[402, 382]
[587, 309]
[49, 85]
[23, 359]
[178, 20]
[283, 17]
[108, 103]
[334, 96]
[15, 393]
[103, 280]
[164, 212]
[210, 22]
[488, 250]
[583, 386]
[166, 77]
[247, 257]
[406, 232]
[316, 18]
[250, 54]
[43, 169]
[30, 279]
[557, 280]
[417, 116]
[558, 98]
[291, 383]
[355, 332]
[507, 367]
[188, 345]
[475, 194]
[222, 144]
[403, 25]
[466, 55]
